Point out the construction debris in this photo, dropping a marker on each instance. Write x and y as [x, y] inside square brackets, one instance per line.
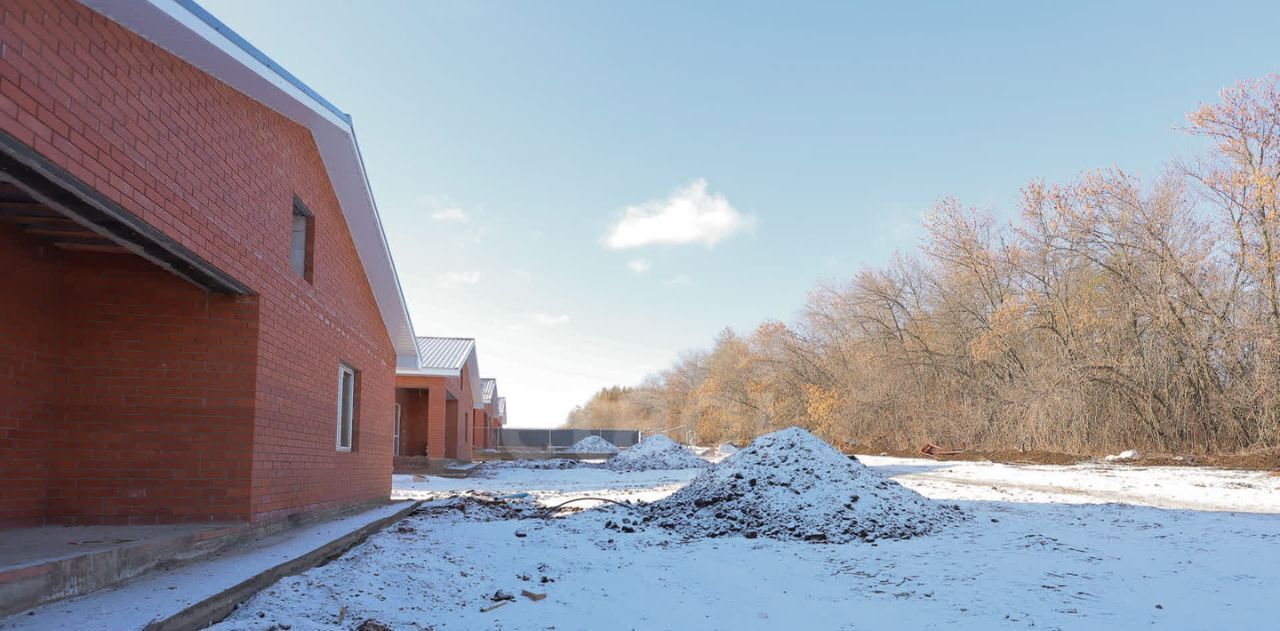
[932, 450]
[482, 506]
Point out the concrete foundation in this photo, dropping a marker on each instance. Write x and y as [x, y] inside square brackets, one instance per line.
[48, 563]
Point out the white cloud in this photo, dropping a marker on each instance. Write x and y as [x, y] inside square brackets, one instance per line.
[457, 279]
[522, 274]
[690, 215]
[679, 280]
[452, 214]
[546, 319]
[639, 266]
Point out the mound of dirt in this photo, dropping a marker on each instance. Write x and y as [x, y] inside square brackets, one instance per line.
[479, 507]
[726, 449]
[593, 445]
[792, 485]
[551, 464]
[656, 452]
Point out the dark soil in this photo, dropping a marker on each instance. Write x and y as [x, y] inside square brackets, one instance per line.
[477, 506]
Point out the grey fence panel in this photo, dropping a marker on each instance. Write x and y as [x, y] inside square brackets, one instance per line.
[620, 437]
[523, 437]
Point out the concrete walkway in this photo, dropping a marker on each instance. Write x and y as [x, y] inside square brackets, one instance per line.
[159, 595]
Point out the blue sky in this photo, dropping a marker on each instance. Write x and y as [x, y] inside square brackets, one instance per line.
[508, 142]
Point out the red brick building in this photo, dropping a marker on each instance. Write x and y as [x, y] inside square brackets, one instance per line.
[486, 435]
[439, 401]
[201, 318]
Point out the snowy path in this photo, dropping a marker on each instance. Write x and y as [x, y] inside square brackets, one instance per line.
[1044, 550]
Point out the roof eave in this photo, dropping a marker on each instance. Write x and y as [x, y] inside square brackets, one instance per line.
[428, 372]
[473, 371]
[189, 32]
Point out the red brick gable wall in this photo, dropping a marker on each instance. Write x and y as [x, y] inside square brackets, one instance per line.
[466, 415]
[217, 172]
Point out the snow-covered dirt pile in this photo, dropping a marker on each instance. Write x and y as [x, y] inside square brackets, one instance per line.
[656, 452]
[792, 485]
[593, 445]
[538, 465]
[481, 507]
[727, 449]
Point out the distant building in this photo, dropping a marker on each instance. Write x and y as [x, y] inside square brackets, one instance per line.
[500, 419]
[486, 433]
[438, 402]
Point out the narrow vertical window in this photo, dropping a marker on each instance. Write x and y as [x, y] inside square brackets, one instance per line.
[346, 406]
[302, 240]
[395, 437]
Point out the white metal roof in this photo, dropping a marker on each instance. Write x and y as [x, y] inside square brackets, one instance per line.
[449, 357]
[487, 388]
[192, 34]
[501, 410]
[444, 353]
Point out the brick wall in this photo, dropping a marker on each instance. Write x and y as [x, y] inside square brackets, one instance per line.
[217, 172]
[128, 396]
[413, 420]
[439, 425]
[30, 344]
[155, 402]
[461, 388]
[480, 429]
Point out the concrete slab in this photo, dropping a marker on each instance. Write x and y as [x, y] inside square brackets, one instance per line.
[45, 564]
[176, 597]
[24, 547]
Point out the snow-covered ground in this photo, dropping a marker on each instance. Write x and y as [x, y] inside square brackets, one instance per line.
[1077, 547]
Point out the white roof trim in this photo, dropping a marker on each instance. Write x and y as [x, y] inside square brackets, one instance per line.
[174, 26]
[429, 372]
[473, 376]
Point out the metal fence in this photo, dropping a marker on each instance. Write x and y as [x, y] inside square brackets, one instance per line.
[521, 437]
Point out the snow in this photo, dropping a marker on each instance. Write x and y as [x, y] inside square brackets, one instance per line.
[593, 445]
[726, 449]
[161, 594]
[1085, 546]
[551, 463]
[1074, 547]
[656, 452]
[791, 485]
[1127, 454]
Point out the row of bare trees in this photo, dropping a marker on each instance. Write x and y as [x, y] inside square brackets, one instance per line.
[1111, 313]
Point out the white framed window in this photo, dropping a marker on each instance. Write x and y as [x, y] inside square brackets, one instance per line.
[346, 406]
[395, 437]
